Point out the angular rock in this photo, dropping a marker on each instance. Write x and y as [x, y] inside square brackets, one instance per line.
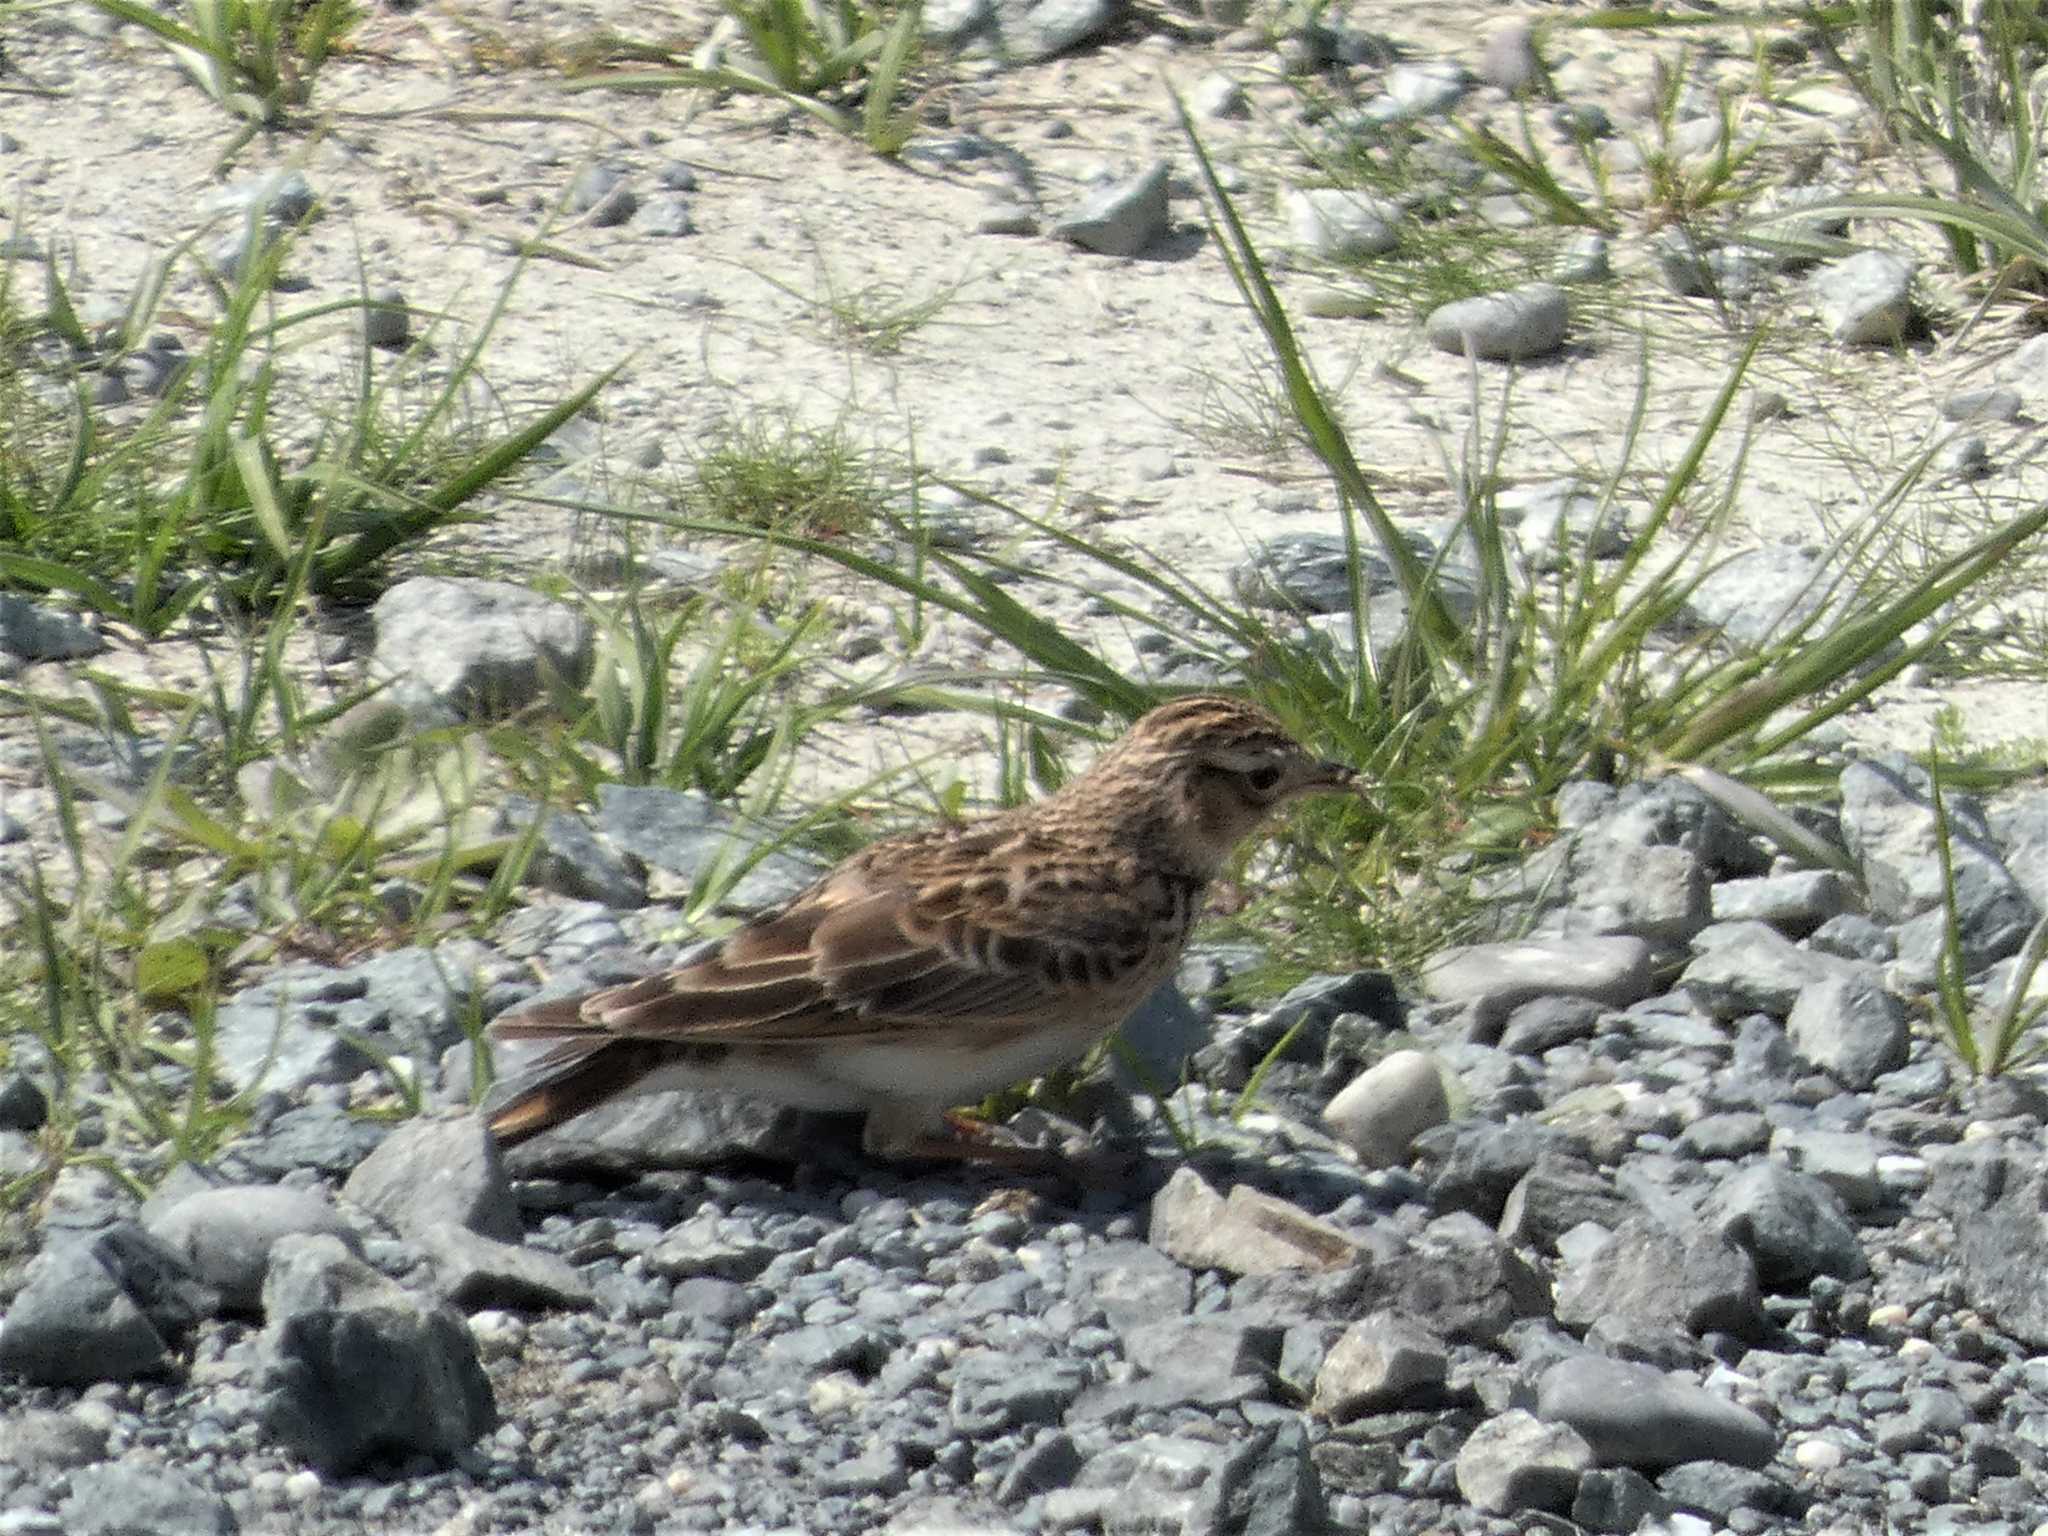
[1121, 219]
[106, 1306]
[1556, 1195]
[1515, 1461]
[571, 860]
[1616, 1499]
[1765, 594]
[1740, 968]
[1017, 31]
[1849, 1025]
[1636, 1416]
[694, 838]
[33, 631]
[1646, 1275]
[1845, 1161]
[1888, 822]
[1249, 1232]
[1337, 224]
[1457, 1278]
[481, 650]
[1794, 904]
[1308, 573]
[1134, 1283]
[1383, 1360]
[226, 1234]
[434, 1173]
[1267, 1485]
[1205, 1347]
[1866, 299]
[679, 1128]
[1718, 1489]
[119, 1498]
[355, 1367]
[1478, 1163]
[2001, 1226]
[993, 1392]
[1792, 1226]
[1657, 893]
[473, 1271]
[1386, 1106]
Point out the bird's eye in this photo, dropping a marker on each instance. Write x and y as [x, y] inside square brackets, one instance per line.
[1264, 779]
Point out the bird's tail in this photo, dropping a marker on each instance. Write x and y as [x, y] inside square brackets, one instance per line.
[577, 1068]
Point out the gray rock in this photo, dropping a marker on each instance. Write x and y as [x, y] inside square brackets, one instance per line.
[1249, 1232]
[1715, 1488]
[1121, 219]
[1514, 1461]
[1996, 404]
[2022, 831]
[387, 321]
[281, 198]
[1849, 1025]
[678, 1128]
[1616, 1499]
[1584, 259]
[1219, 97]
[1383, 1360]
[1733, 1133]
[1795, 904]
[1889, 825]
[434, 1173]
[22, 1105]
[2001, 1223]
[1205, 1350]
[666, 218]
[993, 1391]
[1523, 323]
[1017, 31]
[41, 1441]
[1132, 1282]
[226, 1234]
[1845, 1161]
[1793, 1227]
[108, 1306]
[1646, 1275]
[601, 193]
[1267, 1485]
[1427, 89]
[571, 860]
[1336, 224]
[1509, 61]
[471, 1271]
[30, 631]
[1493, 979]
[1478, 1162]
[301, 1025]
[355, 1367]
[1560, 522]
[1741, 968]
[1635, 1415]
[483, 650]
[1307, 573]
[1620, 887]
[1866, 299]
[120, 1498]
[1386, 1106]
[1456, 1277]
[694, 838]
[1544, 1023]
[1764, 595]
[1153, 1045]
[1555, 1196]
[1853, 937]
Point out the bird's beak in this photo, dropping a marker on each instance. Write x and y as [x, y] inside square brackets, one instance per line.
[1330, 777]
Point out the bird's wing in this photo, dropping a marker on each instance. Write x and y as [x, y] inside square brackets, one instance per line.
[873, 953]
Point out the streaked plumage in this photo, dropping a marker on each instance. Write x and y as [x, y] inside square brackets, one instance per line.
[937, 966]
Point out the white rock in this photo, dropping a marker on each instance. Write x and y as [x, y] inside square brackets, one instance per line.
[1387, 1106]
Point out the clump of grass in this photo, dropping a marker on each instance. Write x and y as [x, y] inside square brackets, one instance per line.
[768, 470]
[256, 59]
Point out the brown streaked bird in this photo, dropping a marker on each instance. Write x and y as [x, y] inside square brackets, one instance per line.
[935, 967]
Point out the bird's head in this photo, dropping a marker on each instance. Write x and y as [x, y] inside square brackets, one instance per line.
[1221, 766]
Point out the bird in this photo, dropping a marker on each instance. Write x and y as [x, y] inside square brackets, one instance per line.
[935, 967]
